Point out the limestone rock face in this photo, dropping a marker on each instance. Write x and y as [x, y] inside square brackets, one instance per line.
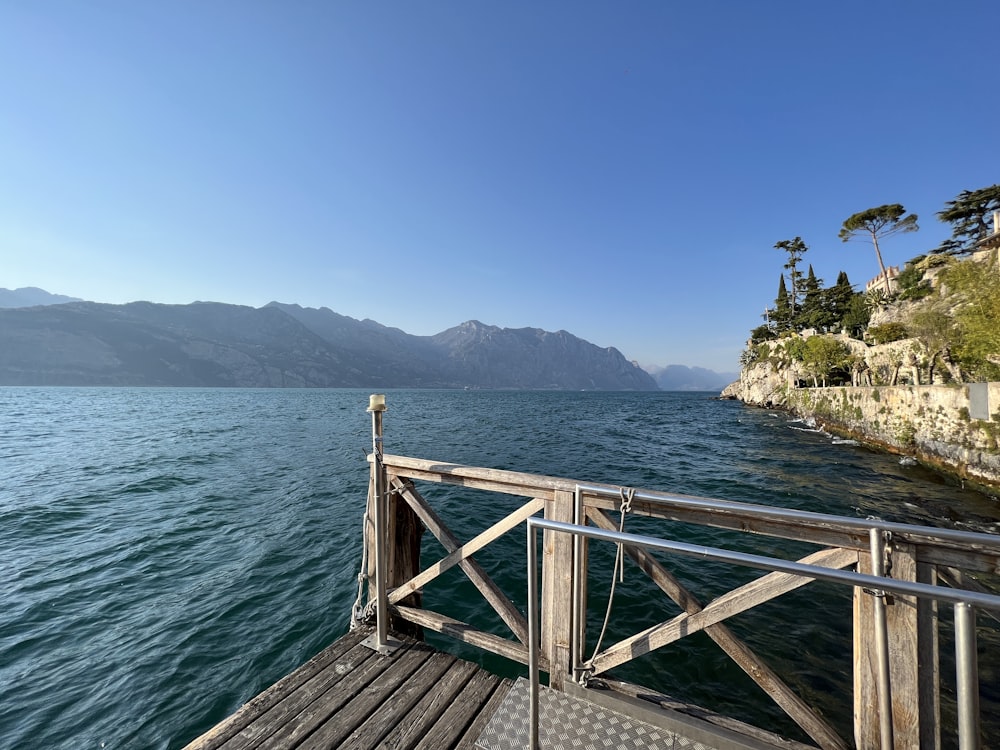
[930, 422]
[935, 423]
[761, 384]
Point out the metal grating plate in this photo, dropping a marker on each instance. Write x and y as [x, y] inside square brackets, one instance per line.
[567, 723]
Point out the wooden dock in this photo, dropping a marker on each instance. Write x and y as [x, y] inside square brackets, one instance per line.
[350, 697]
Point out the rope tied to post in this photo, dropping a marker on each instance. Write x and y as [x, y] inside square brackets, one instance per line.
[362, 614]
[626, 494]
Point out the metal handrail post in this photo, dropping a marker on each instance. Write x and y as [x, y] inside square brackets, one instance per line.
[579, 619]
[877, 540]
[532, 636]
[967, 676]
[376, 405]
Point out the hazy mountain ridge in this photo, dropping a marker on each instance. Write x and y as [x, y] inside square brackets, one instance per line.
[216, 344]
[683, 378]
[32, 296]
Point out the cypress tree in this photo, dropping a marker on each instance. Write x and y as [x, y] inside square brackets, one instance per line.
[839, 301]
[782, 308]
[814, 313]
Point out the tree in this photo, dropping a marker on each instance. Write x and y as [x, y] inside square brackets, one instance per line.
[814, 312]
[856, 317]
[970, 216]
[761, 333]
[782, 314]
[912, 284]
[796, 249]
[976, 317]
[822, 355]
[838, 300]
[935, 329]
[879, 222]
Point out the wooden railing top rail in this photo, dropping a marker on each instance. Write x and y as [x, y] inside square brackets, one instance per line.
[477, 477]
[964, 549]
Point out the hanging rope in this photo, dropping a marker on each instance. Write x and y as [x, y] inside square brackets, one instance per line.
[626, 494]
[362, 614]
[359, 612]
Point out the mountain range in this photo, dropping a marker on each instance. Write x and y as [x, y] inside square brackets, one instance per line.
[683, 378]
[279, 345]
[51, 339]
[27, 296]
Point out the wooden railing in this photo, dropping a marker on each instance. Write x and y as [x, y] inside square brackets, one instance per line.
[910, 553]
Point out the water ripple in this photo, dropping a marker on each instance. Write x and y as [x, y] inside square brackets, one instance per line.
[168, 553]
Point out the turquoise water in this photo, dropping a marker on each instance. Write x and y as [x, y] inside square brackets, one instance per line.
[168, 553]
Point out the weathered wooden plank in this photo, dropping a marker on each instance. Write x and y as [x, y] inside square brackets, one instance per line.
[337, 727]
[280, 690]
[557, 589]
[423, 716]
[494, 480]
[308, 707]
[821, 530]
[732, 603]
[503, 606]
[913, 659]
[403, 532]
[865, 664]
[494, 532]
[395, 708]
[456, 720]
[914, 682]
[928, 662]
[796, 708]
[492, 702]
[467, 634]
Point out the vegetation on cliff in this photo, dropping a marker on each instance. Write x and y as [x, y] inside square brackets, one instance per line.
[936, 321]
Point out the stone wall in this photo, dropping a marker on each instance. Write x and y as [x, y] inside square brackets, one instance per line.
[931, 422]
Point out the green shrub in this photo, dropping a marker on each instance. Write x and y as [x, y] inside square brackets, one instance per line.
[888, 332]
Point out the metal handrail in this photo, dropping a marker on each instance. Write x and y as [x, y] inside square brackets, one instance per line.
[964, 601]
[789, 515]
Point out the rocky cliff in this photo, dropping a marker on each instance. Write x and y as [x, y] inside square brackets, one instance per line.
[946, 427]
[953, 427]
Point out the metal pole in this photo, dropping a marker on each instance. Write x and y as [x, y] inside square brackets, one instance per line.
[532, 636]
[579, 608]
[967, 676]
[376, 405]
[882, 643]
[776, 564]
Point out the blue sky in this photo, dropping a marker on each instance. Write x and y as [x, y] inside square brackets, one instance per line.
[618, 170]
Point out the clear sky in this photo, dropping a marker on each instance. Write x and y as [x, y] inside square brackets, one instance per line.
[620, 170]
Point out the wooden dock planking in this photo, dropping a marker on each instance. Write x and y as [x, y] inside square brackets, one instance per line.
[432, 705]
[350, 697]
[496, 693]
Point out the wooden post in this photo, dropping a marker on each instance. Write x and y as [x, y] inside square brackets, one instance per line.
[913, 659]
[403, 532]
[399, 545]
[557, 589]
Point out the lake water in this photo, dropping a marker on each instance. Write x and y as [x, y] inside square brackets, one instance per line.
[166, 554]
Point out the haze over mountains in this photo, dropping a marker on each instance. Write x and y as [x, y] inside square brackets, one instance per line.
[50, 339]
[28, 296]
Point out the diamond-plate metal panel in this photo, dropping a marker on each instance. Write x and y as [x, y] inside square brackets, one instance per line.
[568, 723]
